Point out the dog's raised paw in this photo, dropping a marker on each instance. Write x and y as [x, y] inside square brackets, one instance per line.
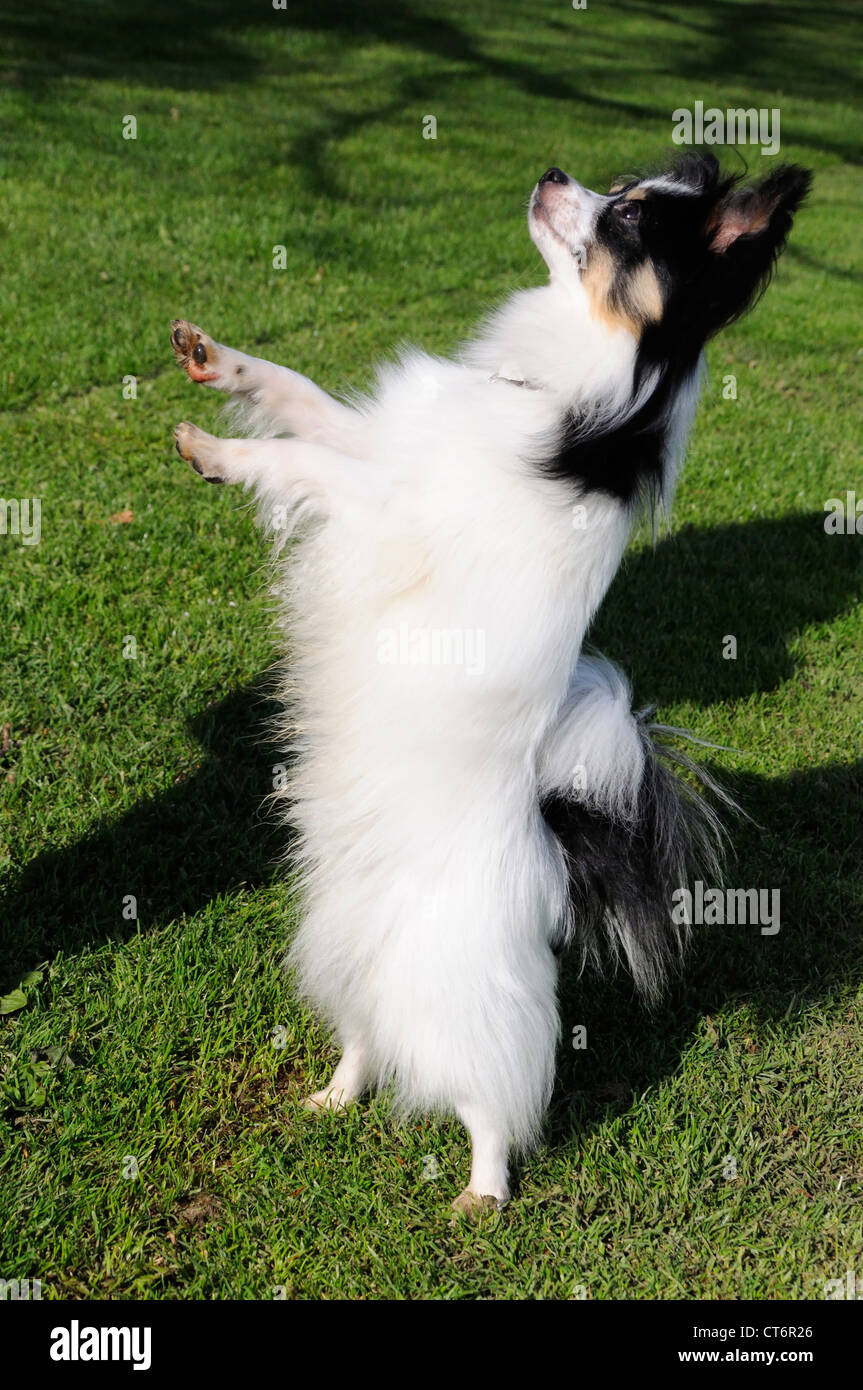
[196, 447]
[194, 350]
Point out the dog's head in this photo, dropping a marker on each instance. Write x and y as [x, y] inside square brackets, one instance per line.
[671, 257]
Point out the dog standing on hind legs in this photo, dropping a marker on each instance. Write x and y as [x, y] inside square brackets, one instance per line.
[460, 822]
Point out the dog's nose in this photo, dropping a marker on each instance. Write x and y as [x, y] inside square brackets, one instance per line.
[554, 175]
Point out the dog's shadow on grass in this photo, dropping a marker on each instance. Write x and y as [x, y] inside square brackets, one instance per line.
[665, 619]
[804, 840]
[672, 609]
[210, 834]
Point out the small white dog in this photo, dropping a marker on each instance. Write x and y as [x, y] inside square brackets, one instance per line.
[472, 792]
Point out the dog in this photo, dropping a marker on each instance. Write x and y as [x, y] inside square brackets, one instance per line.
[471, 790]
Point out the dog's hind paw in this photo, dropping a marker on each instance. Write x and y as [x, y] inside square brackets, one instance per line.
[195, 351]
[326, 1100]
[473, 1205]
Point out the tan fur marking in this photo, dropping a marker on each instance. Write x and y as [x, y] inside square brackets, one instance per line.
[645, 293]
[644, 298]
[597, 280]
[623, 182]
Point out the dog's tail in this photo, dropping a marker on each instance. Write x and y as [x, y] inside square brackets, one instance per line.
[631, 814]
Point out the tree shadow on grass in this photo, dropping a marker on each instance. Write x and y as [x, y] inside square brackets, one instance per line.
[201, 44]
[195, 43]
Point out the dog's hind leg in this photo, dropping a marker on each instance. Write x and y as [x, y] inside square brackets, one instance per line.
[274, 399]
[348, 1082]
[488, 1188]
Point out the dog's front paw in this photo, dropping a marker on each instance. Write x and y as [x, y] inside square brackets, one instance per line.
[195, 351]
[200, 450]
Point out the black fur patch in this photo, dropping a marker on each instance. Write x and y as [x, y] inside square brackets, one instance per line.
[627, 461]
[703, 288]
[622, 874]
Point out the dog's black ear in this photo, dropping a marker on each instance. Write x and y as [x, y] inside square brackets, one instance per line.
[752, 224]
[700, 170]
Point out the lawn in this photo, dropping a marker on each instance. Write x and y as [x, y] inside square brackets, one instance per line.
[151, 1141]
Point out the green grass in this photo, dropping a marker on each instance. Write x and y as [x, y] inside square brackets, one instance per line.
[154, 1038]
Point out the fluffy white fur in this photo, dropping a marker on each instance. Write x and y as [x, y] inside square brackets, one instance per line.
[432, 886]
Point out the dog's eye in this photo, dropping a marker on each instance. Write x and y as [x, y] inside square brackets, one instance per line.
[628, 210]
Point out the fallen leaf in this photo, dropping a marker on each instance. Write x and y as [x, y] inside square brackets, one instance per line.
[10, 1003]
[123, 518]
